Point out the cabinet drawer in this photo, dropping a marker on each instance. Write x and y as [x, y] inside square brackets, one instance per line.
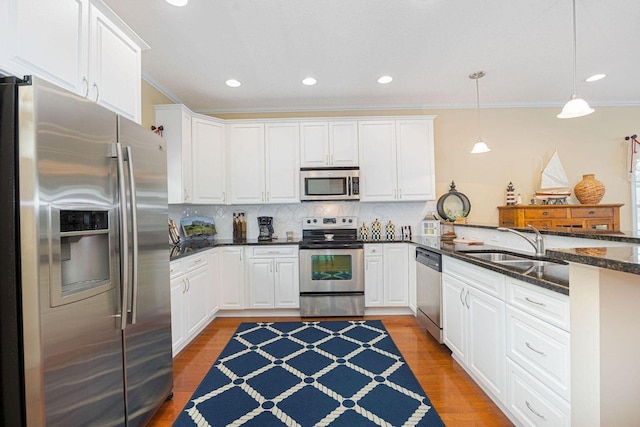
[273, 251]
[541, 349]
[544, 304]
[195, 261]
[479, 277]
[372, 249]
[592, 213]
[176, 268]
[545, 213]
[532, 402]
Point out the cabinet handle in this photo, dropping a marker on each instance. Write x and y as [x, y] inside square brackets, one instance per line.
[541, 353]
[326, 159]
[545, 213]
[541, 304]
[86, 86]
[184, 288]
[97, 91]
[263, 196]
[332, 159]
[461, 296]
[240, 255]
[400, 193]
[534, 411]
[592, 212]
[224, 196]
[276, 267]
[395, 193]
[271, 267]
[466, 300]
[268, 195]
[366, 265]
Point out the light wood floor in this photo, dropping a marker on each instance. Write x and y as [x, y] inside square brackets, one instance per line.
[458, 400]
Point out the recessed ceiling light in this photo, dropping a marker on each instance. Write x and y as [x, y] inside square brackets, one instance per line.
[309, 81]
[233, 83]
[178, 3]
[385, 79]
[595, 77]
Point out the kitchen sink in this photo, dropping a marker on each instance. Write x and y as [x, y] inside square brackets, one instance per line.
[511, 258]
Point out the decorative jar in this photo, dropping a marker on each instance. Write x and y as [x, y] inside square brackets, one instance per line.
[589, 191]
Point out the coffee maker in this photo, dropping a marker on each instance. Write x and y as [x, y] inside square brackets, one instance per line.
[266, 229]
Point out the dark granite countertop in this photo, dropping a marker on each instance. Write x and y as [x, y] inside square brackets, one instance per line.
[612, 236]
[553, 277]
[620, 258]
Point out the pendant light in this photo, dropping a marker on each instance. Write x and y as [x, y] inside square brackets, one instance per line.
[575, 107]
[480, 146]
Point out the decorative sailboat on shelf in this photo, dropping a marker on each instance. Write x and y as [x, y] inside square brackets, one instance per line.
[554, 184]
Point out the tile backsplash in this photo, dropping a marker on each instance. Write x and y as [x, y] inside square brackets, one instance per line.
[288, 217]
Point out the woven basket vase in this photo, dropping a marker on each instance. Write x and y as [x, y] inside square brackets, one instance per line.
[589, 191]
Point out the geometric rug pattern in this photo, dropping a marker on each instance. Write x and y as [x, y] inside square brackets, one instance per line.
[323, 373]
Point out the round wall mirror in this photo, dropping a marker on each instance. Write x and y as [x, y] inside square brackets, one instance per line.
[453, 205]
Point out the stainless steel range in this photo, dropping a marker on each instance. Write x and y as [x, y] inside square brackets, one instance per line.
[331, 268]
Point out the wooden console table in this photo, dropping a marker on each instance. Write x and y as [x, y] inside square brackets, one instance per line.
[598, 217]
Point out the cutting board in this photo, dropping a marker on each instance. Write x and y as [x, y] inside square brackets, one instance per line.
[468, 242]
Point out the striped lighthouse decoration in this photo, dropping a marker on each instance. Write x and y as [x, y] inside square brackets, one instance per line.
[511, 196]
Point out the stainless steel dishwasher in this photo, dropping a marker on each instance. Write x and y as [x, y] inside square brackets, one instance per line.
[429, 290]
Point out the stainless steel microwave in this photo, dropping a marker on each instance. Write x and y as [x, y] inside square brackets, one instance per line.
[329, 184]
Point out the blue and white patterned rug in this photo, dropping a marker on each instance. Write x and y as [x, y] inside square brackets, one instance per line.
[337, 373]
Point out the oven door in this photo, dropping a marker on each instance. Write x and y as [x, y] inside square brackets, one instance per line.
[331, 270]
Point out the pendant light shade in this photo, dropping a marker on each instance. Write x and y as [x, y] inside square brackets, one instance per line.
[575, 107]
[480, 146]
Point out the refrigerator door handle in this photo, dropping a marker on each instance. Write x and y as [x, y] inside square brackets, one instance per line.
[134, 237]
[124, 238]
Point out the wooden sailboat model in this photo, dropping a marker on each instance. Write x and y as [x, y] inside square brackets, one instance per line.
[554, 184]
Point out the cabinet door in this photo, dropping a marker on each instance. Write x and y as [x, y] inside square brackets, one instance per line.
[282, 163]
[454, 315]
[207, 159]
[343, 143]
[377, 153]
[261, 282]
[486, 341]
[231, 278]
[314, 144]
[213, 287]
[416, 171]
[287, 282]
[176, 121]
[48, 39]
[178, 328]
[396, 275]
[115, 67]
[373, 281]
[196, 299]
[245, 154]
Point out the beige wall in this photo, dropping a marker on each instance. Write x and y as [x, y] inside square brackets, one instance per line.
[522, 140]
[150, 97]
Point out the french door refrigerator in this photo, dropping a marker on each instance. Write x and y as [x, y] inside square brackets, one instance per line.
[85, 328]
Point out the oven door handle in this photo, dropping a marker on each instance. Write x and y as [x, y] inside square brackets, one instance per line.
[332, 246]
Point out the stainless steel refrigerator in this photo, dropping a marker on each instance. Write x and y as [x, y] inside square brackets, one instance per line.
[85, 326]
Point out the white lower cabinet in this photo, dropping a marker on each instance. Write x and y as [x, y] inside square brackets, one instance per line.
[273, 277]
[231, 277]
[190, 278]
[513, 338]
[473, 323]
[538, 355]
[386, 275]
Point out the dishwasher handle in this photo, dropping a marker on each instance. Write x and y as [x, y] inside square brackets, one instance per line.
[429, 258]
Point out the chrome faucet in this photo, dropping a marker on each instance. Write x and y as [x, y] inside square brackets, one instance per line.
[537, 243]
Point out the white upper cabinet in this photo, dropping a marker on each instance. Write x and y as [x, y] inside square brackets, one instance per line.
[263, 163]
[195, 155]
[396, 160]
[329, 144]
[208, 161]
[176, 122]
[80, 45]
[245, 154]
[282, 165]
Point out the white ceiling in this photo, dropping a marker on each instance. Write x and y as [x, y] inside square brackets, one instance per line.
[428, 46]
